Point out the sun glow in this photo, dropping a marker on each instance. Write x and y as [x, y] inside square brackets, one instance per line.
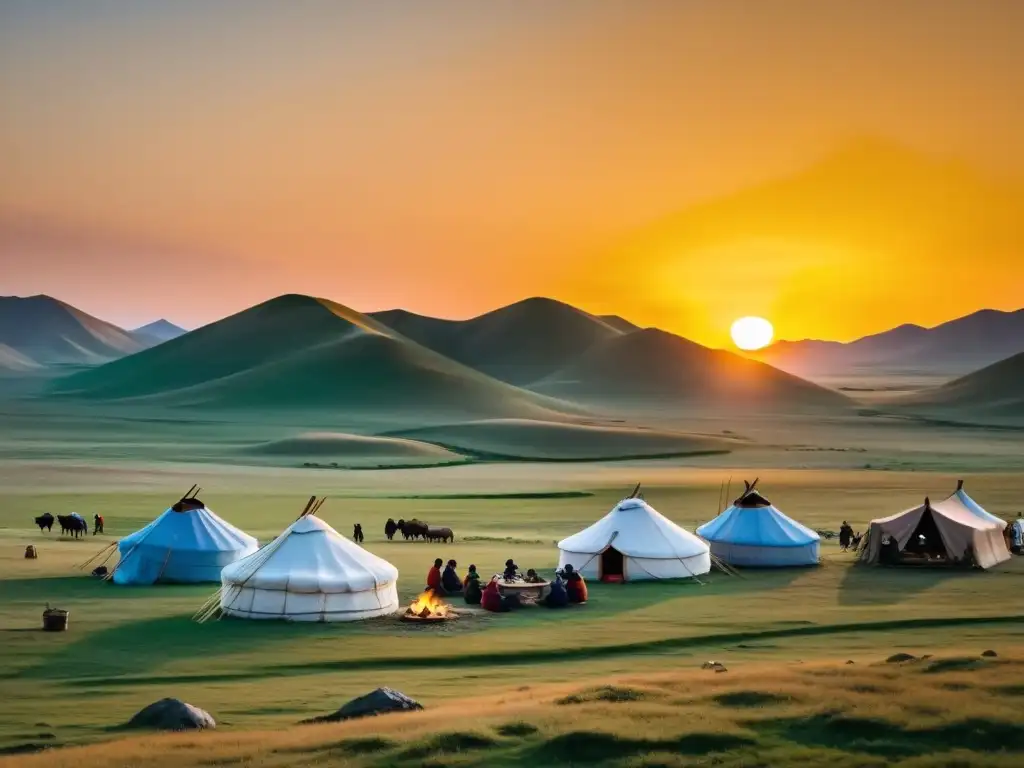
[750, 333]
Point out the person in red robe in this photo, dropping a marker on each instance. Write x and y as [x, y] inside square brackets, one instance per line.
[434, 576]
[575, 586]
[491, 600]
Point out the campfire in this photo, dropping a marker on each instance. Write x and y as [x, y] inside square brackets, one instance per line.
[428, 607]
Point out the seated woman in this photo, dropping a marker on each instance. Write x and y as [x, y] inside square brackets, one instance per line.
[533, 578]
[434, 576]
[491, 599]
[575, 586]
[557, 597]
[511, 571]
[450, 581]
[471, 590]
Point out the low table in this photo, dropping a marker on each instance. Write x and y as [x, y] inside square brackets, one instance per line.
[528, 592]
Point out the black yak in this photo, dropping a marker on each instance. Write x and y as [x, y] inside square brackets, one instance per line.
[45, 521]
[390, 527]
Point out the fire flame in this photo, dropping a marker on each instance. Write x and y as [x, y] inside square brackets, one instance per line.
[428, 605]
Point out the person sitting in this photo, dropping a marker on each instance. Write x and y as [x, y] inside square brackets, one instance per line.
[491, 599]
[471, 590]
[557, 597]
[575, 585]
[511, 571]
[450, 580]
[434, 576]
[533, 578]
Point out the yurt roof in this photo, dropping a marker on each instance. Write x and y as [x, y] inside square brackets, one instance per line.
[952, 509]
[310, 556]
[757, 526]
[974, 507]
[197, 529]
[636, 529]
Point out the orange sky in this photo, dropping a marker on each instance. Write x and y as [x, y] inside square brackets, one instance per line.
[185, 161]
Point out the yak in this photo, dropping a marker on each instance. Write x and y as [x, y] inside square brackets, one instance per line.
[413, 529]
[45, 521]
[390, 527]
[76, 526]
[440, 534]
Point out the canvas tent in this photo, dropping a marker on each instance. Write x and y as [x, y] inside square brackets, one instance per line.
[975, 507]
[947, 532]
[753, 533]
[635, 542]
[188, 543]
[310, 573]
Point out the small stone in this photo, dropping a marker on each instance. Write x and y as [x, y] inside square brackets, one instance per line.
[989, 654]
[849, 661]
[899, 658]
[720, 669]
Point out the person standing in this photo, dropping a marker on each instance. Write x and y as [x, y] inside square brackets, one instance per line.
[97, 524]
[845, 536]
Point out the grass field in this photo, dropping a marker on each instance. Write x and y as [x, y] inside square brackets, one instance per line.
[491, 682]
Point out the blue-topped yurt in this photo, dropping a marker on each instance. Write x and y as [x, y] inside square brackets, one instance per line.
[188, 543]
[753, 533]
[976, 509]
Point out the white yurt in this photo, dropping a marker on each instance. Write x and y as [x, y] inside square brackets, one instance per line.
[634, 542]
[188, 543]
[976, 509]
[310, 573]
[753, 533]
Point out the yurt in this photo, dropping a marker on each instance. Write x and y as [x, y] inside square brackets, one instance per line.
[753, 533]
[634, 542]
[310, 573]
[188, 543]
[975, 507]
[945, 533]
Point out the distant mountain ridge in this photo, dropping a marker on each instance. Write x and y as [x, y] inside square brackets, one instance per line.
[38, 331]
[952, 348]
[158, 331]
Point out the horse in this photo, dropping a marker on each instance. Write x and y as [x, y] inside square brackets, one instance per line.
[357, 533]
[45, 521]
[390, 527]
[440, 534]
[76, 526]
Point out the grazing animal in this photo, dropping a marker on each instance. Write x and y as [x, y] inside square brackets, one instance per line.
[45, 521]
[76, 526]
[357, 533]
[413, 529]
[390, 527]
[440, 534]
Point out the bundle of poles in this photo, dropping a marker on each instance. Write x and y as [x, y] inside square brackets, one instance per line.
[212, 607]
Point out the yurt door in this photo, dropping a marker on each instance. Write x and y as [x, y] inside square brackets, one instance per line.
[612, 565]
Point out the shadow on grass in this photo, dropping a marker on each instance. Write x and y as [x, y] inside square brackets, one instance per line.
[877, 585]
[883, 738]
[595, 747]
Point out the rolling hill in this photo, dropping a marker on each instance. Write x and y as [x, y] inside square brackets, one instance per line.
[952, 348]
[42, 331]
[520, 343]
[996, 390]
[658, 366]
[303, 353]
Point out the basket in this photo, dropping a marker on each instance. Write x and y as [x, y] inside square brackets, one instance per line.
[55, 620]
[30, 552]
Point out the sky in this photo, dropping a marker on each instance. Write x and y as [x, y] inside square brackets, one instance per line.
[838, 167]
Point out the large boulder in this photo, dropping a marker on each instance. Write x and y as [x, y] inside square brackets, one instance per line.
[172, 715]
[378, 702]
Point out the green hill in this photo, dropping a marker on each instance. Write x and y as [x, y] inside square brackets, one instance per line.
[653, 365]
[299, 352]
[519, 343]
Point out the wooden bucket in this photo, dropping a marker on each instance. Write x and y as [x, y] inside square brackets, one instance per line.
[55, 620]
[30, 552]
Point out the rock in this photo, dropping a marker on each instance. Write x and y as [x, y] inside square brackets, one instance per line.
[712, 665]
[378, 702]
[989, 654]
[720, 669]
[899, 658]
[926, 657]
[172, 715]
[849, 661]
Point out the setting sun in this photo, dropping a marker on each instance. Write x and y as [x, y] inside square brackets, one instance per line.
[750, 333]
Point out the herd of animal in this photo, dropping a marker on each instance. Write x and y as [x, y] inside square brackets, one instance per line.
[69, 524]
[417, 529]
